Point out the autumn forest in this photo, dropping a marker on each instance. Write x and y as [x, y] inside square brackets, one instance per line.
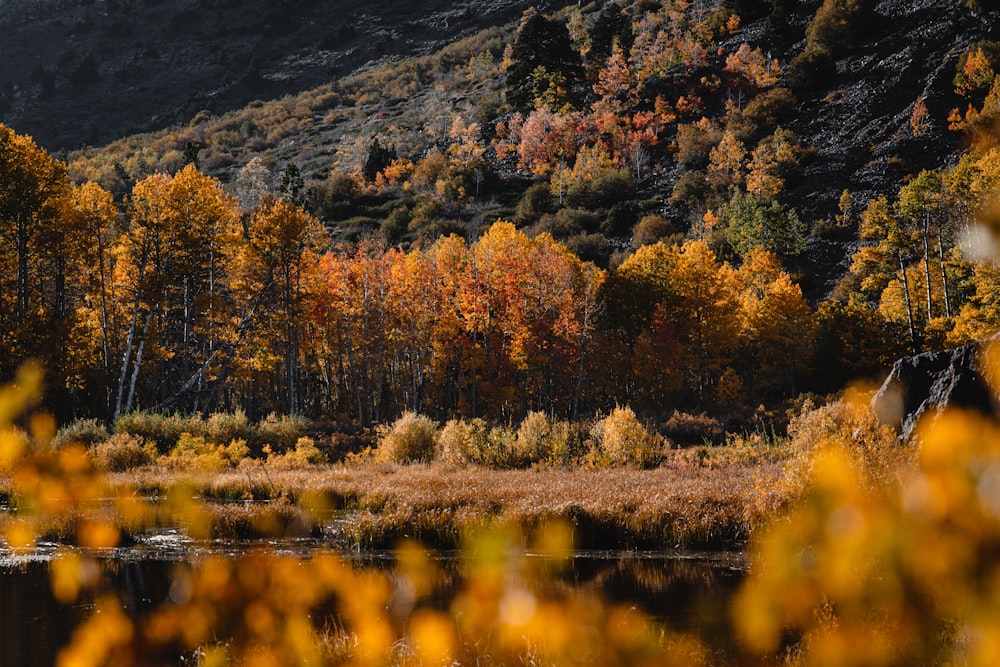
[175, 291]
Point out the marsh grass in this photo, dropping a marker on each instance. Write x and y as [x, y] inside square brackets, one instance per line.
[254, 521]
[679, 504]
[605, 488]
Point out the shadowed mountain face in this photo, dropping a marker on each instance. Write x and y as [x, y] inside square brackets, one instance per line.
[76, 72]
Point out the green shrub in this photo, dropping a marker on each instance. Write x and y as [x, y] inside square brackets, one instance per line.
[650, 229]
[86, 432]
[566, 222]
[536, 201]
[752, 222]
[174, 426]
[838, 24]
[691, 190]
[392, 229]
[145, 425]
[280, 433]
[812, 68]
[607, 188]
[410, 438]
[164, 430]
[622, 440]
[123, 451]
[761, 114]
[228, 426]
[695, 141]
[591, 248]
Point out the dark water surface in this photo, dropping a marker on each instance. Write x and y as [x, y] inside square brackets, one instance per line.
[687, 592]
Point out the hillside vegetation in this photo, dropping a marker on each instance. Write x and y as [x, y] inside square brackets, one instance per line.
[875, 114]
[80, 72]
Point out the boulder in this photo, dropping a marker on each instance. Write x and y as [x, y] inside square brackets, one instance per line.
[926, 384]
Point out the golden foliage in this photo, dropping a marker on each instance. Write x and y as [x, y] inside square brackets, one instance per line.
[622, 440]
[124, 451]
[264, 608]
[888, 557]
[410, 438]
[751, 64]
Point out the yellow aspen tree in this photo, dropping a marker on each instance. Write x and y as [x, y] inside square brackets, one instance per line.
[95, 217]
[726, 162]
[775, 323]
[706, 292]
[33, 187]
[275, 277]
[885, 258]
[173, 257]
[753, 66]
[418, 301]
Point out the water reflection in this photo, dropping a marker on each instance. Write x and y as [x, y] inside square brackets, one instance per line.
[688, 592]
[32, 621]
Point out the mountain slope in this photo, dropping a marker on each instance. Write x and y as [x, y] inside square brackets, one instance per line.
[859, 122]
[90, 71]
[856, 124]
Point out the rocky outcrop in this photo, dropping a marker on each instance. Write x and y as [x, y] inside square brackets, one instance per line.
[926, 384]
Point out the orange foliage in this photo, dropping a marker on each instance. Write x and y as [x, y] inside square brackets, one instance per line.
[918, 119]
[547, 140]
[753, 66]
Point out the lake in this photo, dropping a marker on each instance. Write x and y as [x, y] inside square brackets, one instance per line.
[686, 591]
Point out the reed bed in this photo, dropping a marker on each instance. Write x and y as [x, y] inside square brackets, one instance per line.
[376, 505]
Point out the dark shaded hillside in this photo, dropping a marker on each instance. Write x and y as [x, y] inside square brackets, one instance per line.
[90, 71]
[859, 123]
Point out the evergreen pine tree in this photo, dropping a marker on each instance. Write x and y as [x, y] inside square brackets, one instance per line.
[541, 43]
[379, 157]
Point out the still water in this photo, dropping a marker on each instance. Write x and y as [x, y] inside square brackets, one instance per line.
[687, 592]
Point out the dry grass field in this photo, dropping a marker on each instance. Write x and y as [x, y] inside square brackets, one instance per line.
[681, 503]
